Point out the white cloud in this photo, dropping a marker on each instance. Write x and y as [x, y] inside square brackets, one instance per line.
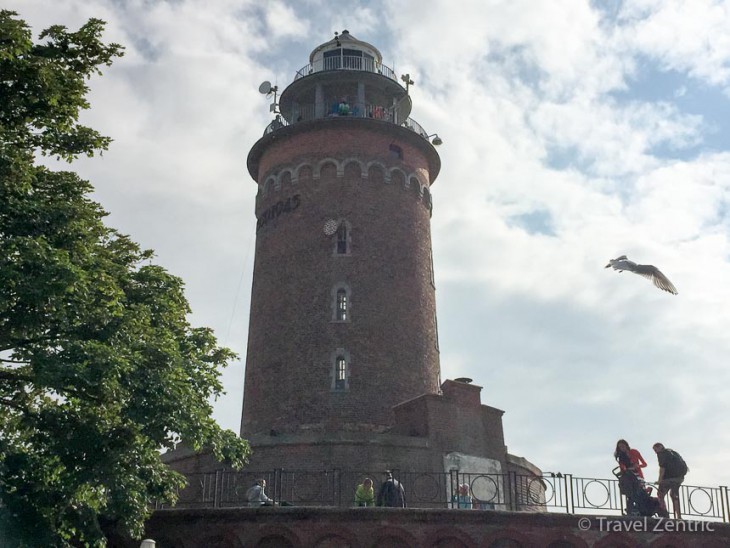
[553, 162]
[687, 36]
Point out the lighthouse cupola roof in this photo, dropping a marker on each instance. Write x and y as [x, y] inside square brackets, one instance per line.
[345, 44]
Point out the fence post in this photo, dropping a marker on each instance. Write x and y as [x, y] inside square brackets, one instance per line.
[513, 494]
[216, 489]
[725, 503]
[453, 487]
[278, 487]
[569, 500]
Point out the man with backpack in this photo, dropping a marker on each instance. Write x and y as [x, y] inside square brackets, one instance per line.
[672, 470]
[391, 492]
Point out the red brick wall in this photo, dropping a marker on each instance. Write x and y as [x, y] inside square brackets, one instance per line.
[390, 527]
[391, 337]
[455, 421]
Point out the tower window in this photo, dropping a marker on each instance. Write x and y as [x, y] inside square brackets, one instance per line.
[341, 305]
[340, 373]
[342, 239]
[396, 151]
[340, 360]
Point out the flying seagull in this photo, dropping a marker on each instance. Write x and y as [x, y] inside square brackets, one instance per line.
[648, 271]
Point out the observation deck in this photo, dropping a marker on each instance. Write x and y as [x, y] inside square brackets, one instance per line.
[345, 77]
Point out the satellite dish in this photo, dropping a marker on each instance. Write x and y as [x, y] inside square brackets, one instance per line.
[330, 227]
[265, 87]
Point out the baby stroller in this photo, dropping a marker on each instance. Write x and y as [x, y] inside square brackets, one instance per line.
[638, 500]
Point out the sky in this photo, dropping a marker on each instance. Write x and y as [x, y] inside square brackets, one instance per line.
[573, 132]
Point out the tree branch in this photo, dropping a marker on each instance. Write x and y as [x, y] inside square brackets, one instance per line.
[16, 362]
[9, 403]
[13, 376]
[25, 342]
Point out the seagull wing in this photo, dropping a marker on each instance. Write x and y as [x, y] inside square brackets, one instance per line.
[655, 275]
[622, 264]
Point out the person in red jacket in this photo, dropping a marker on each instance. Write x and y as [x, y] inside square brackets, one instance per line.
[629, 459]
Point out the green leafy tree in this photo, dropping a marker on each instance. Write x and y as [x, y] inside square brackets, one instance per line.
[99, 367]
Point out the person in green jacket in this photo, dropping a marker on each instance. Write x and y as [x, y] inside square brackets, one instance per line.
[364, 494]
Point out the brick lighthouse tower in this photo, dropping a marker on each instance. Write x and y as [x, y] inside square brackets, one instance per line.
[343, 313]
[342, 366]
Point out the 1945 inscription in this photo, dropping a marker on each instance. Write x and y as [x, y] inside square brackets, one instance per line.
[282, 206]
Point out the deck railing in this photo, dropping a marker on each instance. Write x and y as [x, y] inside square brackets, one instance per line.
[346, 62]
[375, 112]
[514, 492]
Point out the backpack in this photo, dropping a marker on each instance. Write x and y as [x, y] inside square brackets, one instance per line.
[676, 467]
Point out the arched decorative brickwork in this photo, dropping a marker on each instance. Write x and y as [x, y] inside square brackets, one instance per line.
[285, 178]
[392, 537]
[398, 177]
[616, 540]
[273, 541]
[414, 185]
[564, 540]
[304, 172]
[274, 537]
[328, 169]
[450, 538]
[270, 185]
[376, 173]
[505, 542]
[224, 539]
[361, 528]
[335, 537]
[354, 170]
[506, 538]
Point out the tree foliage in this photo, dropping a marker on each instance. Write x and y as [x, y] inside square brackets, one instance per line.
[99, 367]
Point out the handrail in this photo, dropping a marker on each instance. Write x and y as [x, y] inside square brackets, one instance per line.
[375, 112]
[516, 492]
[346, 62]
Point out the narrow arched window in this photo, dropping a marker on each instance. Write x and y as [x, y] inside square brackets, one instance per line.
[342, 246]
[341, 308]
[341, 303]
[340, 373]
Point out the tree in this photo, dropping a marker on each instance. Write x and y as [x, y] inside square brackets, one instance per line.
[99, 368]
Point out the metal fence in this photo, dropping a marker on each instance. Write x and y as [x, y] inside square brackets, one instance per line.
[514, 492]
[346, 62]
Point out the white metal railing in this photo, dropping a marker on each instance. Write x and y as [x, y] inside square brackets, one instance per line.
[346, 62]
